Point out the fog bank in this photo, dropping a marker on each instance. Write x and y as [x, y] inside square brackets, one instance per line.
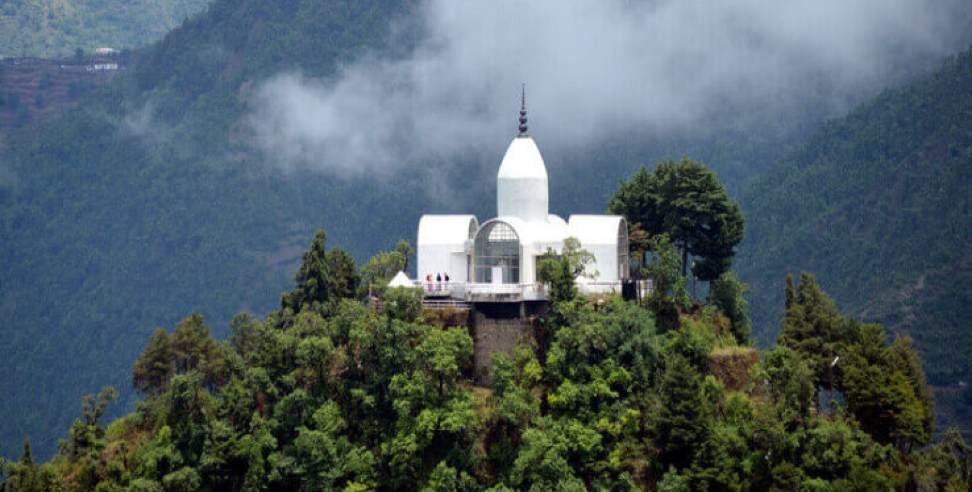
[593, 68]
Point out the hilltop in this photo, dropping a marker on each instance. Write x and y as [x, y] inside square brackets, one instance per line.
[327, 393]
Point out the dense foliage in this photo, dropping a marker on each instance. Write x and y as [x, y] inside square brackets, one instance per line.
[686, 201]
[57, 28]
[330, 394]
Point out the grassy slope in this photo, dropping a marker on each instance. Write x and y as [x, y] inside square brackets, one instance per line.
[879, 206]
[55, 28]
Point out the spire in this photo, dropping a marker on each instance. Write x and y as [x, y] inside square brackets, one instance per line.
[523, 117]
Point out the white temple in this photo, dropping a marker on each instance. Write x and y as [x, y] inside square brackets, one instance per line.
[495, 261]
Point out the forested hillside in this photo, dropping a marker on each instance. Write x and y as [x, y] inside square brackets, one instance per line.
[879, 205]
[57, 28]
[124, 214]
[327, 393]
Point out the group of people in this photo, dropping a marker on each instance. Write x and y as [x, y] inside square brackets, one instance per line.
[438, 281]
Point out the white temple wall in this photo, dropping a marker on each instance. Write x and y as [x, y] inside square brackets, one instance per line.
[525, 198]
[605, 262]
[458, 266]
[441, 258]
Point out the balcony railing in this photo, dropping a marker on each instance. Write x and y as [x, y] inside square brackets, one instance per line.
[490, 292]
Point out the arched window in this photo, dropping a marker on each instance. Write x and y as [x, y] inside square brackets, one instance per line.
[623, 264]
[497, 254]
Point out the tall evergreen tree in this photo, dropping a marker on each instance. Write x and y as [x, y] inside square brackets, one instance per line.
[312, 277]
[681, 424]
[686, 201]
[343, 278]
[154, 366]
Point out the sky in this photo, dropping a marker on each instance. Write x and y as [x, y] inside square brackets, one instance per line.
[595, 68]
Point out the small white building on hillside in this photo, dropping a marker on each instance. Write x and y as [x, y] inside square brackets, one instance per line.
[496, 260]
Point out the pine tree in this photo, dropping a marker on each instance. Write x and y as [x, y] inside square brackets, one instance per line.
[312, 277]
[154, 366]
[343, 278]
[686, 201]
[681, 424]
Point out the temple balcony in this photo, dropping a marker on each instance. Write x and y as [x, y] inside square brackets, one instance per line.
[497, 292]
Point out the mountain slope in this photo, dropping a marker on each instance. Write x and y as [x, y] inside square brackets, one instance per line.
[123, 214]
[879, 206]
[56, 28]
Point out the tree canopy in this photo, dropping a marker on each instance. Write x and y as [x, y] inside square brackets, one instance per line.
[684, 200]
[346, 396]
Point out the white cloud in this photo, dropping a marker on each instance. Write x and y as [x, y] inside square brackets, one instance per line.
[593, 68]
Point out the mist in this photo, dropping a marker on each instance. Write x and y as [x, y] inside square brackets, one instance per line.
[592, 69]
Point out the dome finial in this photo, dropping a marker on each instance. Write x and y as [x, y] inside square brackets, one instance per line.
[523, 112]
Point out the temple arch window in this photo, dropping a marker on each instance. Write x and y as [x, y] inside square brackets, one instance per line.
[496, 255]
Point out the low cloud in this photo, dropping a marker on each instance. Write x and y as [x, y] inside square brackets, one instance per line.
[143, 123]
[594, 68]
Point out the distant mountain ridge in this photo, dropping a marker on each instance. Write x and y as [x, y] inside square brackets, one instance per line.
[879, 206]
[56, 28]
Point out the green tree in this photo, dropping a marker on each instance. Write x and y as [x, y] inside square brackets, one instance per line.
[380, 268]
[681, 423]
[313, 277]
[791, 384]
[669, 285]
[664, 270]
[343, 278]
[945, 466]
[728, 293]
[404, 248]
[560, 271]
[193, 349]
[884, 400]
[813, 326]
[552, 452]
[154, 366]
[27, 475]
[89, 430]
[884, 387]
[686, 201]
[325, 458]
[403, 303]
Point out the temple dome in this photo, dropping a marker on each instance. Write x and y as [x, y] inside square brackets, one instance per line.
[521, 183]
